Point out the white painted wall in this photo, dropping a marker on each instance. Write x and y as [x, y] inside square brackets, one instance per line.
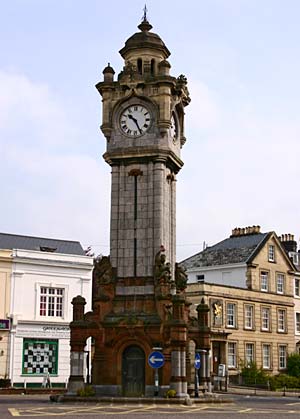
[31, 270]
[233, 275]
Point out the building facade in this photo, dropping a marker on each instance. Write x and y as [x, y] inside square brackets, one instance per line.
[5, 276]
[45, 276]
[248, 282]
[289, 243]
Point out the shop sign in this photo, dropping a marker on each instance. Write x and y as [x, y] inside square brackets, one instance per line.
[4, 324]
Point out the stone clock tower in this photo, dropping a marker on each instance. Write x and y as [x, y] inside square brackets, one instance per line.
[143, 122]
[139, 300]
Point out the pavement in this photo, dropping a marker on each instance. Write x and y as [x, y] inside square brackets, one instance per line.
[242, 390]
[56, 395]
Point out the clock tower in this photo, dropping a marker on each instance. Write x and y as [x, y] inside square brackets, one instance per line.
[143, 122]
[139, 300]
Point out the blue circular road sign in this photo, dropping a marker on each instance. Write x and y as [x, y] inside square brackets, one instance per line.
[156, 359]
[197, 361]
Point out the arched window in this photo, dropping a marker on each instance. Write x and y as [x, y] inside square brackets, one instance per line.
[152, 67]
[140, 66]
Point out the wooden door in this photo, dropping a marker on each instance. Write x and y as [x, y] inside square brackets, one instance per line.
[133, 372]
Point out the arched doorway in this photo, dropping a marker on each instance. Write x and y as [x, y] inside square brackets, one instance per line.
[133, 371]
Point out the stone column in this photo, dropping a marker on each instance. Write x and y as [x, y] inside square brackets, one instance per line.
[76, 379]
[204, 345]
[178, 341]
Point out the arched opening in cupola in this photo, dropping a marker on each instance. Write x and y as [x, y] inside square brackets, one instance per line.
[140, 66]
[152, 67]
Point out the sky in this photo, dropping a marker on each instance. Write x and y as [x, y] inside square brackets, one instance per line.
[241, 158]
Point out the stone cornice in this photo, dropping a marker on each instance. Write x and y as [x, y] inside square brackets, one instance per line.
[143, 155]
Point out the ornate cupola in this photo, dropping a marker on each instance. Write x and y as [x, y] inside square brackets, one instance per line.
[144, 49]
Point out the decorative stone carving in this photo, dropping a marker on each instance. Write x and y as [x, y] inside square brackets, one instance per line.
[103, 271]
[162, 269]
[103, 274]
[180, 278]
[217, 312]
[182, 79]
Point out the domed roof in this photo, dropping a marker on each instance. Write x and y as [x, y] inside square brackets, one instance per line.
[145, 39]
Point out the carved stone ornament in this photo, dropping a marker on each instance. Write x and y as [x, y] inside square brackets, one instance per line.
[217, 312]
[103, 274]
[162, 269]
[180, 278]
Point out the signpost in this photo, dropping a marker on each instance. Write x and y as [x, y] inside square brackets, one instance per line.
[197, 365]
[156, 360]
[197, 361]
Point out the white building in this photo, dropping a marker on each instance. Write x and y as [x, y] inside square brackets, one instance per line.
[46, 275]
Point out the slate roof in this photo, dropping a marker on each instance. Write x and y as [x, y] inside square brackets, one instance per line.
[15, 241]
[237, 249]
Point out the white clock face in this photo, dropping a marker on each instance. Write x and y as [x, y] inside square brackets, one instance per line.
[173, 128]
[135, 120]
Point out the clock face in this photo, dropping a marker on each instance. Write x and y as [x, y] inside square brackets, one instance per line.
[135, 120]
[173, 128]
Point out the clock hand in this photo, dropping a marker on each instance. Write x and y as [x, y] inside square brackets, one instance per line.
[136, 122]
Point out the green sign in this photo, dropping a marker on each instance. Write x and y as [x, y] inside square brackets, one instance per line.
[4, 324]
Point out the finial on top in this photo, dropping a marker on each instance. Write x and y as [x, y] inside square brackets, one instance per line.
[145, 14]
[145, 26]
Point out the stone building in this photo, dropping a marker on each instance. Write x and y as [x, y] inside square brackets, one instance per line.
[248, 282]
[39, 278]
[290, 245]
[139, 300]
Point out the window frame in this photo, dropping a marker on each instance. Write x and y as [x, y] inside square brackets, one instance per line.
[249, 345]
[247, 327]
[64, 305]
[232, 354]
[264, 279]
[268, 318]
[297, 287]
[231, 316]
[280, 275]
[280, 367]
[297, 322]
[200, 278]
[51, 302]
[281, 321]
[267, 366]
[271, 253]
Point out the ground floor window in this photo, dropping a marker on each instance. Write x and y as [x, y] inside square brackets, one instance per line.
[298, 322]
[266, 349]
[282, 356]
[40, 356]
[249, 353]
[231, 354]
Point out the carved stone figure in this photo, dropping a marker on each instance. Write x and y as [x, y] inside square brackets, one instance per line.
[162, 269]
[103, 274]
[217, 312]
[180, 278]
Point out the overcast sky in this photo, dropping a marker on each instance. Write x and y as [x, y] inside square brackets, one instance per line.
[242, 61]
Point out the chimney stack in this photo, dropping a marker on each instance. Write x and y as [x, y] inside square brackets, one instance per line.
[245, 231]
[288, 242]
